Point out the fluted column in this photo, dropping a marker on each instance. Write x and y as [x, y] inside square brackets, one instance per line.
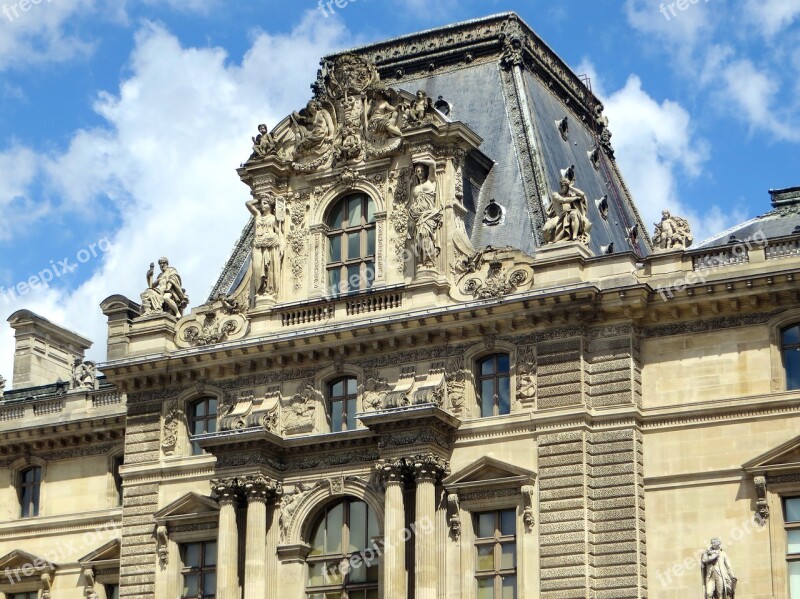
[227, 492]
[273, 538]
[258, 490]
[394, 554]
[428, 470]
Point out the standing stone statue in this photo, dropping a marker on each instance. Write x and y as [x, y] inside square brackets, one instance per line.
[672, 233]
[426, 218]
[2, 386]
[268, 246]
[719, 582]
[567, 212]
[165, 294]
[84, 374]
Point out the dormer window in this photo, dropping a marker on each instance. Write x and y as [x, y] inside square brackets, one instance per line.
[351, 245]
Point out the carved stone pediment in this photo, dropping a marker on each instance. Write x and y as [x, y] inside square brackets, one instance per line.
[221, 320]
[488, 472]
[493, 273]
[353, 117]
[21, 566]
[191, 506]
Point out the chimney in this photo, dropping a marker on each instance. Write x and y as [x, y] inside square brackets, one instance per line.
[43, 352]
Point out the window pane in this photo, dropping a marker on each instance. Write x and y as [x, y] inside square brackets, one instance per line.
[337, 390]
[335, 249]
[369, 273]
[334, 280]
[336, 416]
[210, 557]
[502, 363]
[485, 588]
[372, 571]
[372, 528]
[211, 426]
[370, 211]
[191, 557]
[509, 587]
[200, 409]
[333, 542]
[358, 574]
[791, 336]
[370, 242]
[791, 361]
[508, 556]
[487, 398]
[333, 573]
[486, 525]
[212, 406]
[358, 526]
[487, 366]
[210, 583]
[318, 539]
[485, 559]
[315, 574]
[191, 585]
[354, 277]
[354, 214]
[351, 414]
[352, 386]
[504, 395]
[335, 218]
[353, 245]
[508, 522]
[794, 580]
[793, 541]
[792, 509]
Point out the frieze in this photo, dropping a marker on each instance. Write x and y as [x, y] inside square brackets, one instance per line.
[490, 494]
[713, 324]
[193, 527]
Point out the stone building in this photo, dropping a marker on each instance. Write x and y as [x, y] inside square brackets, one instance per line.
[445, 359]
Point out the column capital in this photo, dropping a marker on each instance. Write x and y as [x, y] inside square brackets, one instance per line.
[258, 487]
[429, 468]
[226, 490]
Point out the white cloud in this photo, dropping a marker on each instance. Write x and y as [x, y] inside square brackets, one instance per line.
[176, 129]
[772, 16]
[18, 172]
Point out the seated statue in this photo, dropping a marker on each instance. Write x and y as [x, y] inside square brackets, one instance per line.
[567, 213]
[165, 294]
[672, 233]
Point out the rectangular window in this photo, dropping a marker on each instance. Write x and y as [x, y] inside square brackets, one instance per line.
[496, 554]
[112, 591]
[30, 481]
[791, 517]
[31, 595]
[199, 570]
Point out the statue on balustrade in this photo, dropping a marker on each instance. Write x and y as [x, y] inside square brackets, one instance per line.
[165, 294]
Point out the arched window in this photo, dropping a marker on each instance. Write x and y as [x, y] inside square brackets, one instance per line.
[790, 349]
[342, 399]
[351, 244]
[202, 419]
[494, 385]
[30, 481]
[343, 561]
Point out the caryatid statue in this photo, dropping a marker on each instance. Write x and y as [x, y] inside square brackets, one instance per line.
[165, 294]
[426, 217]
[268, 244]
[719, 582]
[672, 233]
[567, 213]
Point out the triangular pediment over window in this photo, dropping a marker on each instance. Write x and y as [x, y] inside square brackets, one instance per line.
[21, 566]
[784, 459]
[489, 473]
[105, 555]
[191, 506]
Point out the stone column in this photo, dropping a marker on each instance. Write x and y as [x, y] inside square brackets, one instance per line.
[258, 490]
[227, 491]
[273, 539]
[394, 554]
[427, 471]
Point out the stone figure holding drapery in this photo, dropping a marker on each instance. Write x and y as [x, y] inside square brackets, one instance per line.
[165, 294]
[567, 213]
[268, 246]
[719, 582]
[426, 217]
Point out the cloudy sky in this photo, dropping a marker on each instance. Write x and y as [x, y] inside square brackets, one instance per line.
[122, 121]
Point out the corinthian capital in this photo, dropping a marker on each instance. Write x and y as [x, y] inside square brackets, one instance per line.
[393, 472]
[429, 467]
[260, 488]
[226, 489]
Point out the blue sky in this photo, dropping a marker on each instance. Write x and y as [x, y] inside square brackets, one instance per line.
[122, 122]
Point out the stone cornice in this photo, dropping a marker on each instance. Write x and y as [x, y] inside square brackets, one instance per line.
[45, 526]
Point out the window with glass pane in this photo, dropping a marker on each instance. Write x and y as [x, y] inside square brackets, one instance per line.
[343, 562]
[496, 554]
[116, 464]
[790, 348]
[791, 517]
[202, 419]
[31, 595]
[199, 570]
[112, 591]
[494, 385]
[351, 245]
[342, 398]
[30, 482]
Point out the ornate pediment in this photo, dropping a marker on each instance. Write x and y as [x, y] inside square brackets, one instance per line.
[18, 559]
[352, 118]
[488, 472]
[102, 556]
[783, 459]
[191, 506]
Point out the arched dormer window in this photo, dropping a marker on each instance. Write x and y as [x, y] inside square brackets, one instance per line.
[790, 351]
[343, 561]
[493, 381]
[30, 482]
[351, 244]
[343, 404]
[202, 417]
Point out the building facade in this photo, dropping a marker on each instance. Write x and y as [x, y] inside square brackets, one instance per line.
[444, 360]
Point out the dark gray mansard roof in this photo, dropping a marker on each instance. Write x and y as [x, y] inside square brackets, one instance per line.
[515, 111]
